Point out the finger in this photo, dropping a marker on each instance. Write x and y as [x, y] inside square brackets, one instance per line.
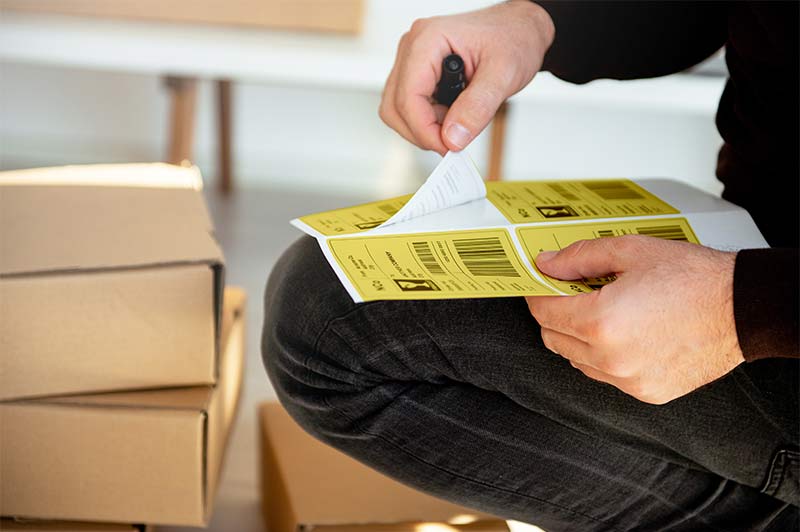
[414, 107]
[420, 118]
[569, 347]
[476, 106]
[399, 125]
[417, 75]
[440, 111]
[571, 315]
[596, 374]
[387, 111]
[590, 258]
[635, 387]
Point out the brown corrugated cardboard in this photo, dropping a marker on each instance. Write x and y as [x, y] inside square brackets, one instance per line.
[106, 288]
[315, 15]
[25, 525]
[307, 484]
[129, 457]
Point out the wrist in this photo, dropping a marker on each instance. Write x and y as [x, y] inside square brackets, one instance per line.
[543, 24]
[731, 344]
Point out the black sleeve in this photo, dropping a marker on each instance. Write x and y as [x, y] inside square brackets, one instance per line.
[766, 302]
[631, 40]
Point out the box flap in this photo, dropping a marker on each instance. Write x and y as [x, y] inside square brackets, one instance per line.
[64, 228]
[319, 483]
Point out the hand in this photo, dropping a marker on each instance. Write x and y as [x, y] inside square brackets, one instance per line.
[502, 46]
[665, 327]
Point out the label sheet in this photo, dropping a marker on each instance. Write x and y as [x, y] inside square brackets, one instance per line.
[460, 238]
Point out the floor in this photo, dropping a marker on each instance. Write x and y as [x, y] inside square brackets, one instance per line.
[253, 229]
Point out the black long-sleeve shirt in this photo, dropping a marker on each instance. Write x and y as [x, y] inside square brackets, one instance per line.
[758, 118]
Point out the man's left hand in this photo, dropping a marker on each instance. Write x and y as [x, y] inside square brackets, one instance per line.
[665, 327]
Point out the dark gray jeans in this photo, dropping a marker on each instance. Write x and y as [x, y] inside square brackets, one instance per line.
[461, 399]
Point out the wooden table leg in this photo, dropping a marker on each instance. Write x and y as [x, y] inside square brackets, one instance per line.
[497, 143]
[183, 97]
[224, 130]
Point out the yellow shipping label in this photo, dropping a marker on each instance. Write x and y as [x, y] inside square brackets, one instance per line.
[355, 219]
[448, 265]
[536, 201]
[536, 239]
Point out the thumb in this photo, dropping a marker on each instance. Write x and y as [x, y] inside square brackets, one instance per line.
[474, 108]
[588, 258]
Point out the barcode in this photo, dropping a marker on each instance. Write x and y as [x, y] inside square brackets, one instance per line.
[485, 257]
[668, 232]
[612, 190]
[605, 233]
[388, 208]
[563, 192]
[426, 257]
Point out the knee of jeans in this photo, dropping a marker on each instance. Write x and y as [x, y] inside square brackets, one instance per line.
[302, 297]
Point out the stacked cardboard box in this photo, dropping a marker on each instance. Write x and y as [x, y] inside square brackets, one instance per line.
[121, 360]
[309, 485]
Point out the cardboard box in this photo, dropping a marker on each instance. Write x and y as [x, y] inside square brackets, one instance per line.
[106, 288]
[314, 15]
[130, 457]
[307, 484]
[24, 525]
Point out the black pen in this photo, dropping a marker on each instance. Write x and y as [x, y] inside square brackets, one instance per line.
[452, 82]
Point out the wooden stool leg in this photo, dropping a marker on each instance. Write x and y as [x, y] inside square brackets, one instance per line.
[224, 98]
[497, 143]
[183, 96]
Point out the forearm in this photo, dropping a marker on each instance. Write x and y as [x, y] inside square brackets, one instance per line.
[630, 40]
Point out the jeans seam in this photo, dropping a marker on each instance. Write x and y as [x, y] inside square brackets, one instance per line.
[441, 352]
[774, 524]
[332, 319]
[775, 467]
[776, 474]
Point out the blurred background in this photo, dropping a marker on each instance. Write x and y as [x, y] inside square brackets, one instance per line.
[281, 117]
[304, 104]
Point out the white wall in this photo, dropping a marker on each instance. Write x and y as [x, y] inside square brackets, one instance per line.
[333, 139]
[289, 136]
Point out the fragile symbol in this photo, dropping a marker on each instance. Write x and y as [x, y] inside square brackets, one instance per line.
[369, 225]
[417, 285]
[557, 211]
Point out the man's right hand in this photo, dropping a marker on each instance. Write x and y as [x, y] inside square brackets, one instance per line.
[502, 46]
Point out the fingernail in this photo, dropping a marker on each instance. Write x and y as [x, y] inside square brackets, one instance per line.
[544, 256]
[458, 135]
